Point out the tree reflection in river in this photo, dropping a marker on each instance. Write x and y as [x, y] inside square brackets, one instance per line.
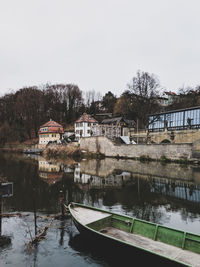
[138, 189]
[166, 194]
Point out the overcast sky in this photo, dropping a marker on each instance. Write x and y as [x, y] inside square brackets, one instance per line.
[98, 44]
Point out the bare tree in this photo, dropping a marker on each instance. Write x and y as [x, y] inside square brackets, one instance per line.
[143, 91]
[63, 101]
[144, 85]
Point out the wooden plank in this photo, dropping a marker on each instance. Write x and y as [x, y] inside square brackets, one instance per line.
[86, 216]
[188, 257]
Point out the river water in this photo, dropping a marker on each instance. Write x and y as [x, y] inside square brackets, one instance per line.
[168, 194]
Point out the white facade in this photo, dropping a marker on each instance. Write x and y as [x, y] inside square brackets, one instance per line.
[46, 138]
[94, 181]
[83, 129]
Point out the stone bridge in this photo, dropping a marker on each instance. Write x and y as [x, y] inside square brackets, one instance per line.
[173, 137]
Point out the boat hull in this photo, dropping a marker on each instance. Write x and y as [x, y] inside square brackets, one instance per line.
[121, 249]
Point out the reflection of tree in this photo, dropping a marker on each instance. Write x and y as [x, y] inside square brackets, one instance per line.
[0, 210]
[142, 202]
[151, 213]
[191, 189]
[62, 232]
[4, 240]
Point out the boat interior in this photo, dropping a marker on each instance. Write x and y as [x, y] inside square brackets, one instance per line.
[171, 243]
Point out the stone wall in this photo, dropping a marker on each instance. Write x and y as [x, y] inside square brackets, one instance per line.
[103, 145]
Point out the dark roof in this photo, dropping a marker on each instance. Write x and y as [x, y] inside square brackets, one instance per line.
[130, 122]
[117, 120]
[112, 120]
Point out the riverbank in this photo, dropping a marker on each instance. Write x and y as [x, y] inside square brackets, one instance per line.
[62, 151]
[17, 147]
[101, 147]
[53, 150]
[179, 153]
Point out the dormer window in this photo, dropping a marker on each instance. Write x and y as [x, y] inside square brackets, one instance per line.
[44, 129]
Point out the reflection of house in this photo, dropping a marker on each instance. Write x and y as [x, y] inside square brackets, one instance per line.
[67, 169]
[48, 166]
[114, 127]
[50, 132]
[6, 189]
[94, 181]
[50, 172]
[83, 126]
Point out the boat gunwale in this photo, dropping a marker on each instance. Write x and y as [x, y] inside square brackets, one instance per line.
[140, 220]
[122, 241]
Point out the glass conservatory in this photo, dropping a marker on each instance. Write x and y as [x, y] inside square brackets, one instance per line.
[175, 120]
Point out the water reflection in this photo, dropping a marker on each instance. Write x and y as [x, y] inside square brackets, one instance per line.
[6, 190]
[171, 180]
[94, 181]
[50, 172]
[188, 191]
[167, 194]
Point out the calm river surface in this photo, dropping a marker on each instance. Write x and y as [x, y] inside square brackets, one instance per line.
[166, 194]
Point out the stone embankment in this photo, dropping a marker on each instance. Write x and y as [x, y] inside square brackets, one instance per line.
[173, 152]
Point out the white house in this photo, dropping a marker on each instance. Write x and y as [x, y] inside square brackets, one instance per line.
[83, 126]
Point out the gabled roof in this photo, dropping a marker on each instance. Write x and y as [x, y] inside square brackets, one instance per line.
[51, 123]
[53, 127]
[86, 118]
[51, 178]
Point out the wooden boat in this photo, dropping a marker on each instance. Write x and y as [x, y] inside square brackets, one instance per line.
[154, 241]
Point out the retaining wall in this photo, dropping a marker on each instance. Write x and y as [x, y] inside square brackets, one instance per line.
[102, 145]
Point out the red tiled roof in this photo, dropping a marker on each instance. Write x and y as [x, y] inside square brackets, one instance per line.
[53, 127]
[51, 178]
[51, 123]
[170, 93]
[86, 118]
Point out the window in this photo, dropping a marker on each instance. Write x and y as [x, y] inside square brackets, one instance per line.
[44, 129]
[177, 119]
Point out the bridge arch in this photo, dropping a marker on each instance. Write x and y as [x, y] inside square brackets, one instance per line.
[165, 141]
